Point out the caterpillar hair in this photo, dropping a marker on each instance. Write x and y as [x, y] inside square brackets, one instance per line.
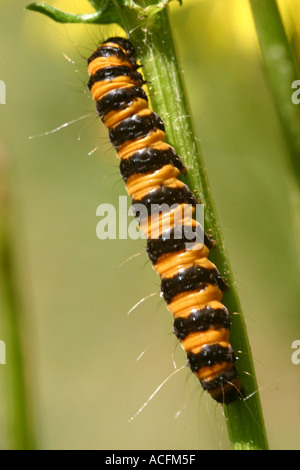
[190, 284]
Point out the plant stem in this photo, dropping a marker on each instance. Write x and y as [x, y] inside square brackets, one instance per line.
[281, 72]
[157, 54]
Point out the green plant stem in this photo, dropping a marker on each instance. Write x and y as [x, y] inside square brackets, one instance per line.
[157, 54]
[18, 413]
[281, 71]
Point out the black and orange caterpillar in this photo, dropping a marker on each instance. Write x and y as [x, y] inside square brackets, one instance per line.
[190, 284]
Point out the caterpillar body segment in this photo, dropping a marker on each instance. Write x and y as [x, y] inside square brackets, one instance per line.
[191, 285]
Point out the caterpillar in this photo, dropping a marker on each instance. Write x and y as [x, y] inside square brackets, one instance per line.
[191, 285]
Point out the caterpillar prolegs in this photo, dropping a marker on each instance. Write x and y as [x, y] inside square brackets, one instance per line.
[190, 284]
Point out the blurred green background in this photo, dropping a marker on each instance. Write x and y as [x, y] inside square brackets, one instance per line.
[81, 347]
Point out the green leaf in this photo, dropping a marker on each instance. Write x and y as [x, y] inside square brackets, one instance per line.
[106, 15]
[106, 11]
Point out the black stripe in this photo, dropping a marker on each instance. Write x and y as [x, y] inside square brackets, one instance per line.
[109, 73]
[210, 355]
[124, 43]
[164, 196]
[107, 51]
[174, 240]
[110, 51]
[194, 278]
[148, 160]
[201, 320]
[134, 127]
[119, 98]
[169, 242]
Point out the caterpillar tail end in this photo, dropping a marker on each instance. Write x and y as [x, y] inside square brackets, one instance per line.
[226, 388]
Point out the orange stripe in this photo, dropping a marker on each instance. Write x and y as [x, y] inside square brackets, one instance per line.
[194, 300]
[101, 88]
[212, 372]
[195, 341]
[139, 186]
[100, 63]
[132, 146]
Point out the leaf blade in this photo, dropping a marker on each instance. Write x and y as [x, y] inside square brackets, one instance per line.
[104, 16]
